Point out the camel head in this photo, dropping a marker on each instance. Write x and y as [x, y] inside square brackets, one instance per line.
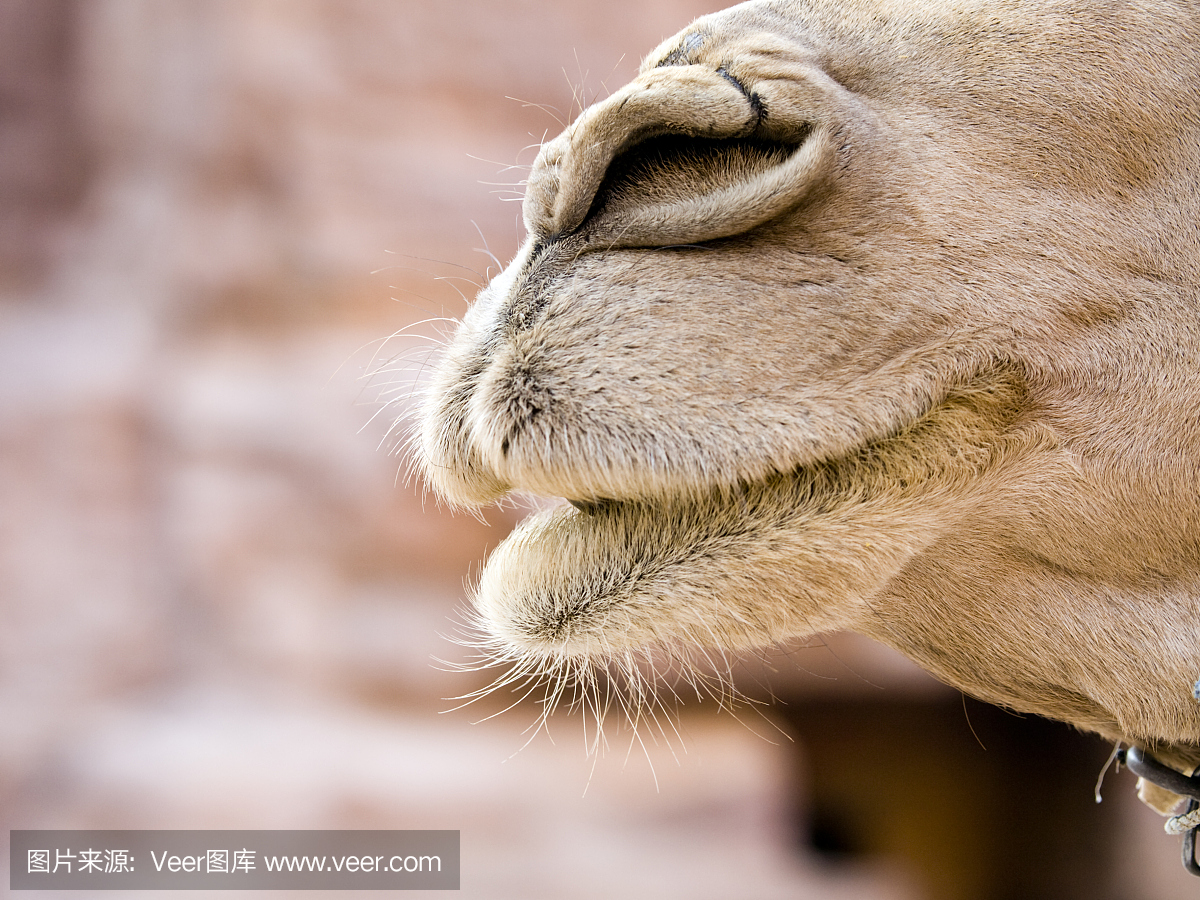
[875, 315]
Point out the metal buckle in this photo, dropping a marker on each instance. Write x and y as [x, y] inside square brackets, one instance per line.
[1142, 764]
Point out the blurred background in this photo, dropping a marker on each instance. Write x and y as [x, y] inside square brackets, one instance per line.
[222, 599]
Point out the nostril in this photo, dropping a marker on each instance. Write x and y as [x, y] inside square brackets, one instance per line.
[672, 176]
[569, 169]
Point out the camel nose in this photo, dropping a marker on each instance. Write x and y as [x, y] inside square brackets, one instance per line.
[694, 100]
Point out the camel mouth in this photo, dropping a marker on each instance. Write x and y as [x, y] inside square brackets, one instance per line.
[732, 566]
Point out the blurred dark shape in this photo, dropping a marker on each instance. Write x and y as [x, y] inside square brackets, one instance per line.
[44, 161]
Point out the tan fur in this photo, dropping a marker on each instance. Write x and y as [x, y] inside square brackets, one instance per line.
[881, 316]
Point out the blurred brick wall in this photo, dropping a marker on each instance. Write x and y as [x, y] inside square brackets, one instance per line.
[44, 163]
